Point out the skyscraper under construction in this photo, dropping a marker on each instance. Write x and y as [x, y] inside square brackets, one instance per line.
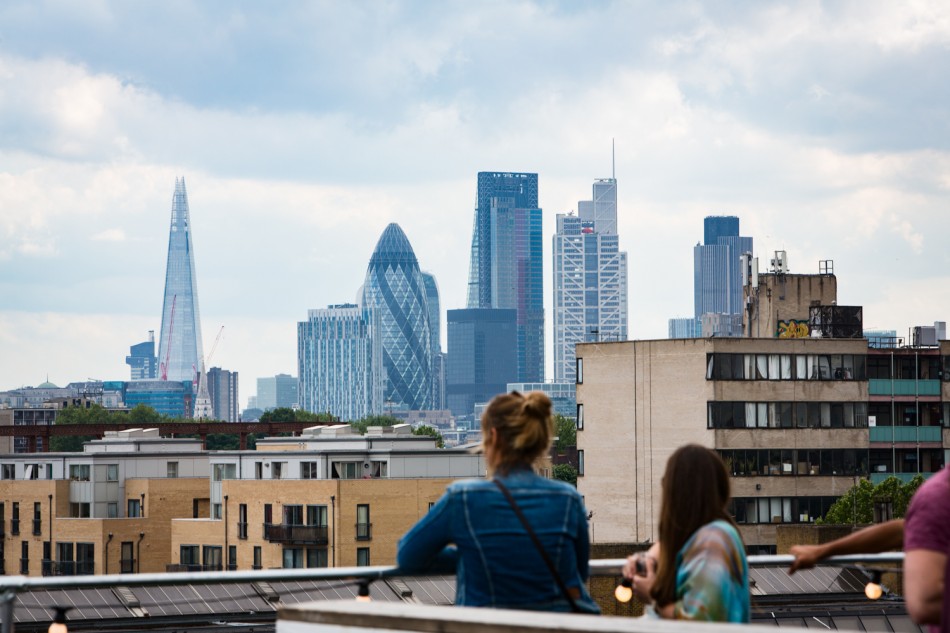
[179, 349]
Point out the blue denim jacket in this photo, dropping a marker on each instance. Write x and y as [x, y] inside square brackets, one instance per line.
[493, 557]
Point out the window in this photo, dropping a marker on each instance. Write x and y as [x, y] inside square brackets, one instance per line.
[317, 516]
[277, 470]
[171, 470]
[579, 368]
[242, 521]
[293, 515]
[308, 470]
[85, 559]
[15, 519]
[221, 472]
[127, 560]
[216, 511]
[258, 470]
[362, 557]
[134, 509]
[347, 470]
[580, 416]
[112, 509]
[112, 472]
[79, 472]
[81, 510]
[232, 557]
[9, 471]
[31, 471]
[363, 526]
[188, 555]
[379, 469]
[257, 557]
[64, 559]
[37, 518]
[316, 557]
[47, 560]
[580, 463]
[293, 557]
[211, 557]
[25, 557]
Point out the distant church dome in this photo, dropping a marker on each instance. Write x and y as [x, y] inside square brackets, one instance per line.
[46, 385]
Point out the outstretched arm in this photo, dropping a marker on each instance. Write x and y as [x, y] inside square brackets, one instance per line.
[871, 540]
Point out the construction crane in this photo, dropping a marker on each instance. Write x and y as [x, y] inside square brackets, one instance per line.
[217, 339]
[163, 367]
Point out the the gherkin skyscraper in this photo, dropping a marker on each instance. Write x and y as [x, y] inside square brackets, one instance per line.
[180, 349]
[394, 287]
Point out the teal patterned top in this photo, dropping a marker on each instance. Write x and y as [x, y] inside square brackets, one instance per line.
[712, 576]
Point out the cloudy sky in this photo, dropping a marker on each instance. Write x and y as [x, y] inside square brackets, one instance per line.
[304, 128]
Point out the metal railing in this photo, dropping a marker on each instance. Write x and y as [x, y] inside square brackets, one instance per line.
[287, 533]
[364, 531]
[10, 586]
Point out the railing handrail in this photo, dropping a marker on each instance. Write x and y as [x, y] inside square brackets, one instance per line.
[599, 567]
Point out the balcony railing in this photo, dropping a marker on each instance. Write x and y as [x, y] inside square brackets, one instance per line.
[903, 387]
[890, 434]
[127, 566]
[305, 534]
[37, 527]
[364, 531]
[242, 530]
[15, 527]
[416, 615]
[190, 567]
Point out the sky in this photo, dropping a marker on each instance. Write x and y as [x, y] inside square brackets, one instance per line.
[303, 128]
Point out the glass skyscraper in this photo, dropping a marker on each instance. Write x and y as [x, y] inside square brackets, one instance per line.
[179, 349]
[435, 334]
[506, 261]
[395, 288]
[339, 359]
[717, 273]
[482, 356]
[590, 278]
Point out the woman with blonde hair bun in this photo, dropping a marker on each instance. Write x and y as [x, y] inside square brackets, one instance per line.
[516, 540]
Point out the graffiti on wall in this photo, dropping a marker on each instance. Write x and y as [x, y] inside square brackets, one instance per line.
[793, 328]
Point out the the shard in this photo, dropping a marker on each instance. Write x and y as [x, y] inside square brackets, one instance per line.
[179, 355]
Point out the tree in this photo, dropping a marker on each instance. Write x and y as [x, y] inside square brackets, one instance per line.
[430, 431]
[566, 430]
[94, 414]
[144, 416]
[565, 473]
[857, 505]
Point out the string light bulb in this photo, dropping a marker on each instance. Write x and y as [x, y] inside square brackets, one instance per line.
[873, 590]
[362, 595]
[59, 620]
[624, 591]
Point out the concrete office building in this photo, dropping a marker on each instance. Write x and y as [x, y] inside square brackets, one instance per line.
[797, 419]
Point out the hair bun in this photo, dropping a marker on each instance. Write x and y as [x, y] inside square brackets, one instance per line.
[537, 405]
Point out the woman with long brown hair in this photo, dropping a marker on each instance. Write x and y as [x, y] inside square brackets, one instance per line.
[698, 569]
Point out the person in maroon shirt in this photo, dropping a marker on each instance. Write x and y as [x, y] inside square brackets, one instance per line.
[927, 554]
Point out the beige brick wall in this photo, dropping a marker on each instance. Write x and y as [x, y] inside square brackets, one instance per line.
[395, 505]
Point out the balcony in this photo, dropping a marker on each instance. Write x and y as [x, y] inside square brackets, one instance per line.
[303, 534]
[877, 478]
[189, 567]
[896, 434]
[903, 387]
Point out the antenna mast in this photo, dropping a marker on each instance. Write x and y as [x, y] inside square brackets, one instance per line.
[613, 159]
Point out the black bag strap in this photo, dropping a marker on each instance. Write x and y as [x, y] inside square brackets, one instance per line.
[537, 544]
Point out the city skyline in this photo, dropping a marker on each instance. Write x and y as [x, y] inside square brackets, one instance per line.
[828, 142]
